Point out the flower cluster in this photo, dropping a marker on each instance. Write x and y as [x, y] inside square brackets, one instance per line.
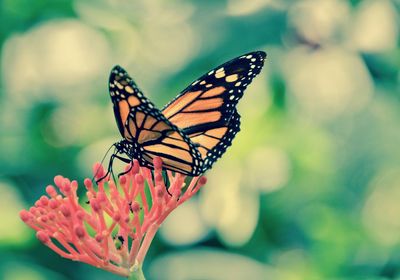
[113, 228]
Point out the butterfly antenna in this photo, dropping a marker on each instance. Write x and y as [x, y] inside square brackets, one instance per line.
[101, 164]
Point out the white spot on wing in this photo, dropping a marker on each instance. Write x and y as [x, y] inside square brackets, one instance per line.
[220, 74]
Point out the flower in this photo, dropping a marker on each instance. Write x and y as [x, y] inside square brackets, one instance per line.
[113, 230]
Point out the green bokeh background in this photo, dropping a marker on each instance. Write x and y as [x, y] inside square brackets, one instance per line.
[310, 188]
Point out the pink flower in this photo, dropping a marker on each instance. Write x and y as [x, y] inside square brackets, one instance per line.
[115, 229]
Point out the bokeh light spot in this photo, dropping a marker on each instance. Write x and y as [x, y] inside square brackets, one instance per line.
[52, 59]
[382, 208]
[184, 226]
[376, 26]
[268, 169]
[228, 207]
[12, 231]
[328, 82]
[210, 264]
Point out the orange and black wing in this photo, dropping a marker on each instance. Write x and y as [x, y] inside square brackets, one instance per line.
[213, 142]
[206, 110]
[147, 132]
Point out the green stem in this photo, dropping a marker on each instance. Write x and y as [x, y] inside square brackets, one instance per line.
[136, 273]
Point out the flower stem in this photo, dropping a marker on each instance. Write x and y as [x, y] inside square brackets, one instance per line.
[137, 273]
[146, 243]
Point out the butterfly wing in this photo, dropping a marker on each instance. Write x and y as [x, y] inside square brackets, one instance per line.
[206, 110]
[213, 142]
[146, 130]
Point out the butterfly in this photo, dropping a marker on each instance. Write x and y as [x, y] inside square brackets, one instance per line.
[194, 129]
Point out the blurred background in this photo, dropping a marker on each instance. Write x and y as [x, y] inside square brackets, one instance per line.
[310, 188]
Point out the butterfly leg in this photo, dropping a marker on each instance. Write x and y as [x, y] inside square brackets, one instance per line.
[109, 169]
[94, 176]
[165, 178]
[126, 160]
[127, 171]
[110, 165]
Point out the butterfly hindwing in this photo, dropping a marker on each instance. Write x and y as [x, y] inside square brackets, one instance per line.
[147, 132]
[213, 142]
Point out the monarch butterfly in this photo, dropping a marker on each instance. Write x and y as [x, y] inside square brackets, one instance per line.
[193, 130]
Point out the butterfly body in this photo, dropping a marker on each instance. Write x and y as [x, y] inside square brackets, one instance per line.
[193, 130]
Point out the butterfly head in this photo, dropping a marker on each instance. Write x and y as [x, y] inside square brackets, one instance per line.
[127, 151]
[123, 147]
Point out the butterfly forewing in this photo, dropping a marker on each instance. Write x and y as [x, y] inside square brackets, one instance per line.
[206, 110]
[124, 95]
[213, 97]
